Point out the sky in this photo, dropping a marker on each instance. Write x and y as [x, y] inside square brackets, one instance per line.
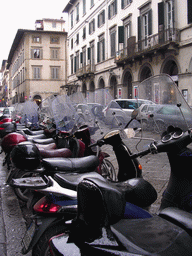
[22, 14]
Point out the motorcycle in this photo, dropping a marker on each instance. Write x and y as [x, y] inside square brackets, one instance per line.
[101, 226]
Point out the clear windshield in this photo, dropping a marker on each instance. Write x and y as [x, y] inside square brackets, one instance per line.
[168, 107]
[28, 112]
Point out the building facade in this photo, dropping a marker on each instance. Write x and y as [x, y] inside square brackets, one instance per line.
[37, 62]
[116, 44]
[4, 87]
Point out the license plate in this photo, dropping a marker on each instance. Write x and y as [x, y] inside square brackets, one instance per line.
[29, 235]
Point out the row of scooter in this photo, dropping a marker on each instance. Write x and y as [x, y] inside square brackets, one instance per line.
[83, 212]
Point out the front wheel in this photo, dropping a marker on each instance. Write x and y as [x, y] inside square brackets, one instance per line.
[42, 246]
[108, 170]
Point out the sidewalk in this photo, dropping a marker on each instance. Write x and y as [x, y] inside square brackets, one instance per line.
[12, 224]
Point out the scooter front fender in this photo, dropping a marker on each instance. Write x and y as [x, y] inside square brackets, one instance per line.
[45, 223]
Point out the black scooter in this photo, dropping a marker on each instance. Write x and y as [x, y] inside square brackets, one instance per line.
[102, 227]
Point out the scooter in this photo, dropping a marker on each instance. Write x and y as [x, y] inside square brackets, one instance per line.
[146, 236]
[57, 201]
[102, 226]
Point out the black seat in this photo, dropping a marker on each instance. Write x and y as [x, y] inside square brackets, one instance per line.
[79, 165]
[43, 141]
[178, 217]
[71, 180]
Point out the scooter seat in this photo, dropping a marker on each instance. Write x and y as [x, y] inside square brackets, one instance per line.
[71, 180]
[43, 141]
[29, 132]
[79, 165]
[37, 136]
[46, 146]
[178, 217]
[61, 152]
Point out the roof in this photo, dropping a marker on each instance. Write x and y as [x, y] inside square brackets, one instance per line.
[18, 37]
[69, 5]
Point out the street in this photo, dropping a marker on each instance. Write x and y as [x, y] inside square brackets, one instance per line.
[155, 170]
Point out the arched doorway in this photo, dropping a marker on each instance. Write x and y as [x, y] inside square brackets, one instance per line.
[101, 83]
[84, 90]
[127, 82]
[170, 68]
[113, 86]
[146, 72]
[37, 99]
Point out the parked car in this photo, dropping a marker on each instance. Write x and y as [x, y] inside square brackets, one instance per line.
[118, 112]
[143, 113]
[1, 111]
[8, 110]
[96, 109]
[165, 115]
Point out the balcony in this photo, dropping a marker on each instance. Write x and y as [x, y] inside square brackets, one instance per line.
[85, 71]
[157, 44]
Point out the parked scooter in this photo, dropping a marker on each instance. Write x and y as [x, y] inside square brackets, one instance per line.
[101, 205]
[54, 207]
[102, 227]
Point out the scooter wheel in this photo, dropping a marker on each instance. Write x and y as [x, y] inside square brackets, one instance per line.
[108, 170]
[42, 246]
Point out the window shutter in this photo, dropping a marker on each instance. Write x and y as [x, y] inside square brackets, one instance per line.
[122, 4]
[109, 12]
[150, 22]
[98, 56]
[139, 27]
[81, 57]
[115, 6]
[103, 16]
[89, 53]
[75, 64]
[98, 21]
[189, 11]
[161, 13]
[103, 49]
[121, 34]
[93, 24]
[89, 28]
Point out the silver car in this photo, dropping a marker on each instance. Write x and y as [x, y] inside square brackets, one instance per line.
[118, 112]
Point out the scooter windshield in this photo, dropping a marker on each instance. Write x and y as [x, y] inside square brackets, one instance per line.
[168, 107]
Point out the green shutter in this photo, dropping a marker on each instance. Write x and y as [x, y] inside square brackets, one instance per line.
[98, 56]
[121, 34]
[75, 64]
[103, 49]
[189, 11]
[150, 22]
[139, 33]
[161, 13]
[115, 6]
[81, 57]
[89, 53]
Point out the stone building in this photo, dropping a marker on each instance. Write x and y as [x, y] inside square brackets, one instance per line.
[115, 44]
[37, 61]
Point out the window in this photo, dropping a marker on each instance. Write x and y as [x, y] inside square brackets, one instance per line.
[77, 61]
[36, 53]
[113, 41]
[112, 9]
[144, 27]
[71, 43]
[101, 49]
[55, 72]
[92, 26]
[84, 55]
[54, 40]
[101, 18]
[36, 72]
[84, 7]
[72, 19]
[84, 33]
[77, 13]
[125, 3]
[55, 53]
[36, 39]
[92, 3]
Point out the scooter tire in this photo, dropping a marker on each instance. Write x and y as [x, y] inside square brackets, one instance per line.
[42, 246]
